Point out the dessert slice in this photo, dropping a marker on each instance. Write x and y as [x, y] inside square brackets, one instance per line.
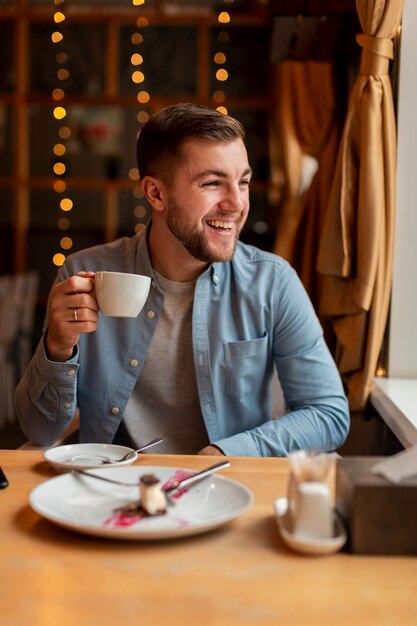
[153, 499]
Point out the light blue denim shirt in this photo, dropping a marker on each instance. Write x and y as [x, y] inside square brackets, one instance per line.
[250, 316]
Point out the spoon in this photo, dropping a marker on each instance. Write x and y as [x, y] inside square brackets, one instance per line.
[104, 460]
[127, 456]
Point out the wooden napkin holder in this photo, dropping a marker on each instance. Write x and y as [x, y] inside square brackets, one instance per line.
[380, 517]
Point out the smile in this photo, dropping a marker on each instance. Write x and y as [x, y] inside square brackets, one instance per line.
[219, 224]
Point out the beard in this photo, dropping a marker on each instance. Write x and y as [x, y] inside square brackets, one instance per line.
[195, 241]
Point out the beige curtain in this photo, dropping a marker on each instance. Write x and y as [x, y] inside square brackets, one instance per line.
[356, 248]
[306, 123]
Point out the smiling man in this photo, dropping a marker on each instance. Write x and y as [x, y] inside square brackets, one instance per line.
[222, 318]
[198, 186]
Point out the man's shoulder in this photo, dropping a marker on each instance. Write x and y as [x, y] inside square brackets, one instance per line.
[248, 254]
[251, 265]
[108, 256]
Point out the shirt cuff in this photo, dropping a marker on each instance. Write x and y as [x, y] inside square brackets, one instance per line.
[241, 444]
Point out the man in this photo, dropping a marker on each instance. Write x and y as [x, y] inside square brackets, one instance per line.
[196, 366]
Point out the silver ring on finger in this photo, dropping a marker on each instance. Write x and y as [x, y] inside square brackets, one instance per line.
[74, 315]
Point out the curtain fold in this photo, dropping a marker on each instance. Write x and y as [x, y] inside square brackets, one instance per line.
[356, 248]
[305, 133]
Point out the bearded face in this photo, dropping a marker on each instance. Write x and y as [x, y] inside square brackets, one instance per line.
[208, 203]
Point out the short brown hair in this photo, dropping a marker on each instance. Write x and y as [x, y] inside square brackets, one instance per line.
[161, 139]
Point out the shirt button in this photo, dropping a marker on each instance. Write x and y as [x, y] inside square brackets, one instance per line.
[67, 405]
[216, 279]
[133, 362]
[153, 283]
[71, 373]
[151, 314]
[115, 410]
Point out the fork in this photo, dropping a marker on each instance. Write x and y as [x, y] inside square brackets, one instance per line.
[170, 489]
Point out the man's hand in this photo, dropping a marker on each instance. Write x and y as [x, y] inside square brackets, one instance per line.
[73, 310]
[212, 451]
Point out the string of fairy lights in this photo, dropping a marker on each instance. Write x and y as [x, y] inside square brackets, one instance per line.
[220, 59]
[143, 97]
[64, 133]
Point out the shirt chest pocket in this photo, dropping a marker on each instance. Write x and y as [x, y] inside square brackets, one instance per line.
[245, 365]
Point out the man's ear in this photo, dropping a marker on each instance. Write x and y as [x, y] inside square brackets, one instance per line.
[154, 190]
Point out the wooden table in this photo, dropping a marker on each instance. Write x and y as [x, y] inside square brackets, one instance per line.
[240, 574]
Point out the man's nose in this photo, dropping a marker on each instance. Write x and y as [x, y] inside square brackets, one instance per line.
[233, 198]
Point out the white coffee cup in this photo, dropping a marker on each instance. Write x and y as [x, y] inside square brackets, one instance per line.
[121, 295]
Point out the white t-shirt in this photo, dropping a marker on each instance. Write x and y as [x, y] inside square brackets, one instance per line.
[165, 402]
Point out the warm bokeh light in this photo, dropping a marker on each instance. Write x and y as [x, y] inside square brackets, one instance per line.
[133, 173]
[136, 38]
[142, 22]
[64, 132]
[59, 168]
[139, 228]
[60, 186]
[140, 211]
[138, 2]
[142, 117]
[219, 58]
[224, 17]
[59, 113]
[143, 97]
[136, 59]
[66, 204]
[63, 223]
[58, 259]
[138, 77]
[219, 96]
[63, 74]
[59, 17]
[222, 109]
[66, 243]
[61, 58]
[222, 75]
[57, 36]
[59, 149]
[58, 94]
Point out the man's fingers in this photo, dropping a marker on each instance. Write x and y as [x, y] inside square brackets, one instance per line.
[76, 284]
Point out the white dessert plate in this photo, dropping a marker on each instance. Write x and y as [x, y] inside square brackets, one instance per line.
[87, 455]
[89, 506]
[308, 546]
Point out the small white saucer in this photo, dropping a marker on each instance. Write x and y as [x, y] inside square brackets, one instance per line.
[308, 546]
[87, 455]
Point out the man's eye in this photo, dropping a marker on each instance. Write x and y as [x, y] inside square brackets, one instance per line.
[245, 182]
[211, 183]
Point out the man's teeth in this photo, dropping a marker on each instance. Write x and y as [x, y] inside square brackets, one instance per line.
[218, 224]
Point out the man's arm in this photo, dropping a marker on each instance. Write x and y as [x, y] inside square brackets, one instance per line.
[46, 396]
[318, 413]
